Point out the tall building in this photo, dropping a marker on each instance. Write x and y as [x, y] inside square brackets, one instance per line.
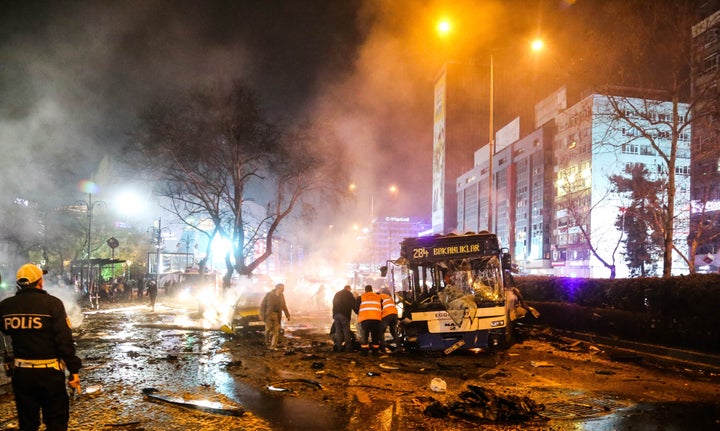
[525, 196]
[592, 144]
[705, 166]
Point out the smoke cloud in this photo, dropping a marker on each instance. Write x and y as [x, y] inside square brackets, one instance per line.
[75, 74]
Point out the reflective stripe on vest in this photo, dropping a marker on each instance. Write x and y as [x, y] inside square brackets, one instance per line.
[370, 307]
[388, 305]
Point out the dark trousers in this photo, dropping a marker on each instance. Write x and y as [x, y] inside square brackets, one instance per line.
[391, 322]
[371, 331]
[342, 337]
[39, 389]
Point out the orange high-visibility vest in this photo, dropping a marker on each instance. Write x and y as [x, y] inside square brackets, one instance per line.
[388, 305]
[370, 307]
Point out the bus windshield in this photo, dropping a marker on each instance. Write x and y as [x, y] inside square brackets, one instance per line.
[471, 283]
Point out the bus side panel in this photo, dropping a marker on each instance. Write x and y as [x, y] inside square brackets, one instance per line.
[439, 322]
[436, 342]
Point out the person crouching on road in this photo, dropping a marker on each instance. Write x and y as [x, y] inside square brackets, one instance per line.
[43, 346]
[271, 309]
[343, 306]
[369, 317]
[389, 319]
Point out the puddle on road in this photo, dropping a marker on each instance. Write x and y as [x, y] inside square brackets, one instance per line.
[588, 414]
[178, 359]
[656, 416]
[284, 412]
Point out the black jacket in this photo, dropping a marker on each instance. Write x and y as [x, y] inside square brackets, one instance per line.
[343, 303]
[38, 325]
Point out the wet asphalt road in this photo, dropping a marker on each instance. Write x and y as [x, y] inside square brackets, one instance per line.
[128, 347]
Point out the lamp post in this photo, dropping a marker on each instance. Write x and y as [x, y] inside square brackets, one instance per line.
[444, 28]
[491, 142]
[89, 206]
[187, 241]
[157, 239]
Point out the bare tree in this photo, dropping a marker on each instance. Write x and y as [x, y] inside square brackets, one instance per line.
[574, 201]
[227, 171]
[654, 109]
[660, 130]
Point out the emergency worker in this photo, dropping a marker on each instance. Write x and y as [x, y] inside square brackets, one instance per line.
[389, 319]
[369, 317]
[271, 309]
[43, 347]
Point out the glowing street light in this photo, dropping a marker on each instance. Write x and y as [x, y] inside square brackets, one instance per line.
[537, 45]
[444, 27]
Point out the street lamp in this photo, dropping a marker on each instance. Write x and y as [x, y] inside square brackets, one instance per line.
[90, 187]
[157, 239]
[535, 46]
[187, 240]
[491, 143]
[444, 29]
[392, 190]
[372, 231]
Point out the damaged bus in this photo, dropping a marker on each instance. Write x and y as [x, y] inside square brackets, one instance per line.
[452, 291]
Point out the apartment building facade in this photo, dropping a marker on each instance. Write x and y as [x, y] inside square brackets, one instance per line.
[556, 206]
[705, 166]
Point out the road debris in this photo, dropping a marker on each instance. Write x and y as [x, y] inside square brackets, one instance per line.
[275, 388]
[388, 367]
[454, 347]
[205, 405]
[480, 404]
[438, 385]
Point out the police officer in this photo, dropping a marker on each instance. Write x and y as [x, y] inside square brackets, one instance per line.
[43, 347]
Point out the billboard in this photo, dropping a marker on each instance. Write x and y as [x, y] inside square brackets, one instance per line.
[438, 180]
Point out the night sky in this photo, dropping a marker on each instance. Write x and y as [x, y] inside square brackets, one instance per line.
[75, 74]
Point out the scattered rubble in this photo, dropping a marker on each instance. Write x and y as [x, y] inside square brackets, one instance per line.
[481, 405]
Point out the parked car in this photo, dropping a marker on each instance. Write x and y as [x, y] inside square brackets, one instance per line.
[246, 317]
[246, 310]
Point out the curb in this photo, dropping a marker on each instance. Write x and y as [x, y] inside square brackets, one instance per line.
[705, 361]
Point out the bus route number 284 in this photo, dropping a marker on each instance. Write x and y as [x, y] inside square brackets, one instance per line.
[419, 253]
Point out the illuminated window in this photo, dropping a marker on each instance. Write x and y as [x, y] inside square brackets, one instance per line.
[682, 170]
